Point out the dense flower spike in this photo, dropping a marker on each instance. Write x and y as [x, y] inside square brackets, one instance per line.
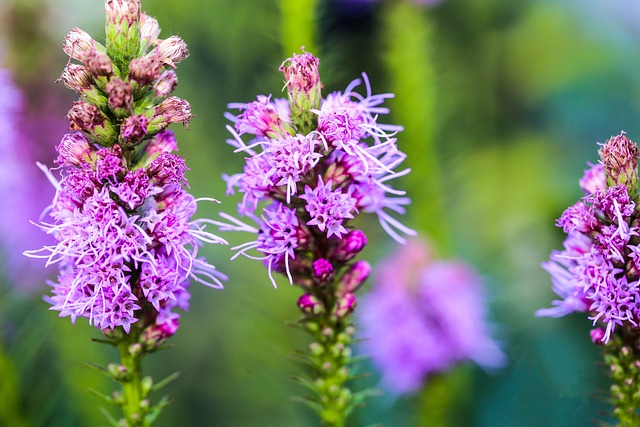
[126, 244]
[125, 241]
[328, 171]
[312, 165]
[598, 272]
[423, 316]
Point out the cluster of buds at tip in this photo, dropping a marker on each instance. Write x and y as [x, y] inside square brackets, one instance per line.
[125, 87]
[620, 159]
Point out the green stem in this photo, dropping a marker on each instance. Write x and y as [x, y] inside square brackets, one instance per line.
[10, 413]
[134, 404]
[408, 31]
[298, 25]
[624, 367]
[331, 355]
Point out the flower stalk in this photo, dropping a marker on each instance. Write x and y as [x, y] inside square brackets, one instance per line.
[125, 241]
[598, 272]
[314, 164]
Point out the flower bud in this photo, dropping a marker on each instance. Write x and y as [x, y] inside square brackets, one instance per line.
[310, 305]
[74, 149]
[146, 69]
[119, 11]
[172, 110]
[165, 84]
[304, 87]
[355, 277]
[322, 271]
[122, 30]
[98, 63]
[620, 159]
[172, 50]
[163, 142]
[149, 30]
[597, 336]
[349, 246]
[77, 44]
[156, 334]
[345, 305]
[120, 96]
[76, 77]
[85, 116]
[133, 130]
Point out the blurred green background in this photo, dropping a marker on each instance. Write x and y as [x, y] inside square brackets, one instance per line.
[503, 102]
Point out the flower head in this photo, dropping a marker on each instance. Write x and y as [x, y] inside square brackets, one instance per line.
[322, 160]
[597, 272]
[422, 316]
[125, 241]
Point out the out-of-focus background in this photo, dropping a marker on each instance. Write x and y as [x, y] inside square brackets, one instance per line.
[512, 97]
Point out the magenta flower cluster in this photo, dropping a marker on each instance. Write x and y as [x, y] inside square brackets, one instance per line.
[422, 317]
[309, 172]
[598, 271]
[126, 245]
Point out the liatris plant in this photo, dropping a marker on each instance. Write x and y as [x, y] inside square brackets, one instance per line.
[598, 271]
[125, 242]
[312, 165]
[422, 317]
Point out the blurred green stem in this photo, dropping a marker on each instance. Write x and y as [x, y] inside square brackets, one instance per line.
[298, 25]
[10, 414]
[408, 31]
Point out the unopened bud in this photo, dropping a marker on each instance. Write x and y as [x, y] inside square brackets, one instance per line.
[165, 84]
[149, 30]
[350, 245]
[172, 50]
[120, 96]
[146, 69]
[98, 63]
[303, 84]
[133, 130]
[119, 11]
[172, 110]
[74, 149]
[310, 305]
[620, 159]
[322, 271]
[345, 305]
[597, 335]
[76, 77]
[85, 116]
[355, 277]
[77, 43]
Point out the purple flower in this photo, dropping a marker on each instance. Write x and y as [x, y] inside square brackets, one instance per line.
[22, 186]
[598, 272]
[328, 208]
[125, 241]
[422, 316]
[320, 160]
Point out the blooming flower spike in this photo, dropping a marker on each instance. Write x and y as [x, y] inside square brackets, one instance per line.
[598, 271]
[126, 243]
[312, 166]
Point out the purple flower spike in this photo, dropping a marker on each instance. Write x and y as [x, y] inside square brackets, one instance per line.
[598, 270]
[423, 316]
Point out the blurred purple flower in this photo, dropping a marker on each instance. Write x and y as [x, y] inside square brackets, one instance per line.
[22, 187]
[423, 316]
